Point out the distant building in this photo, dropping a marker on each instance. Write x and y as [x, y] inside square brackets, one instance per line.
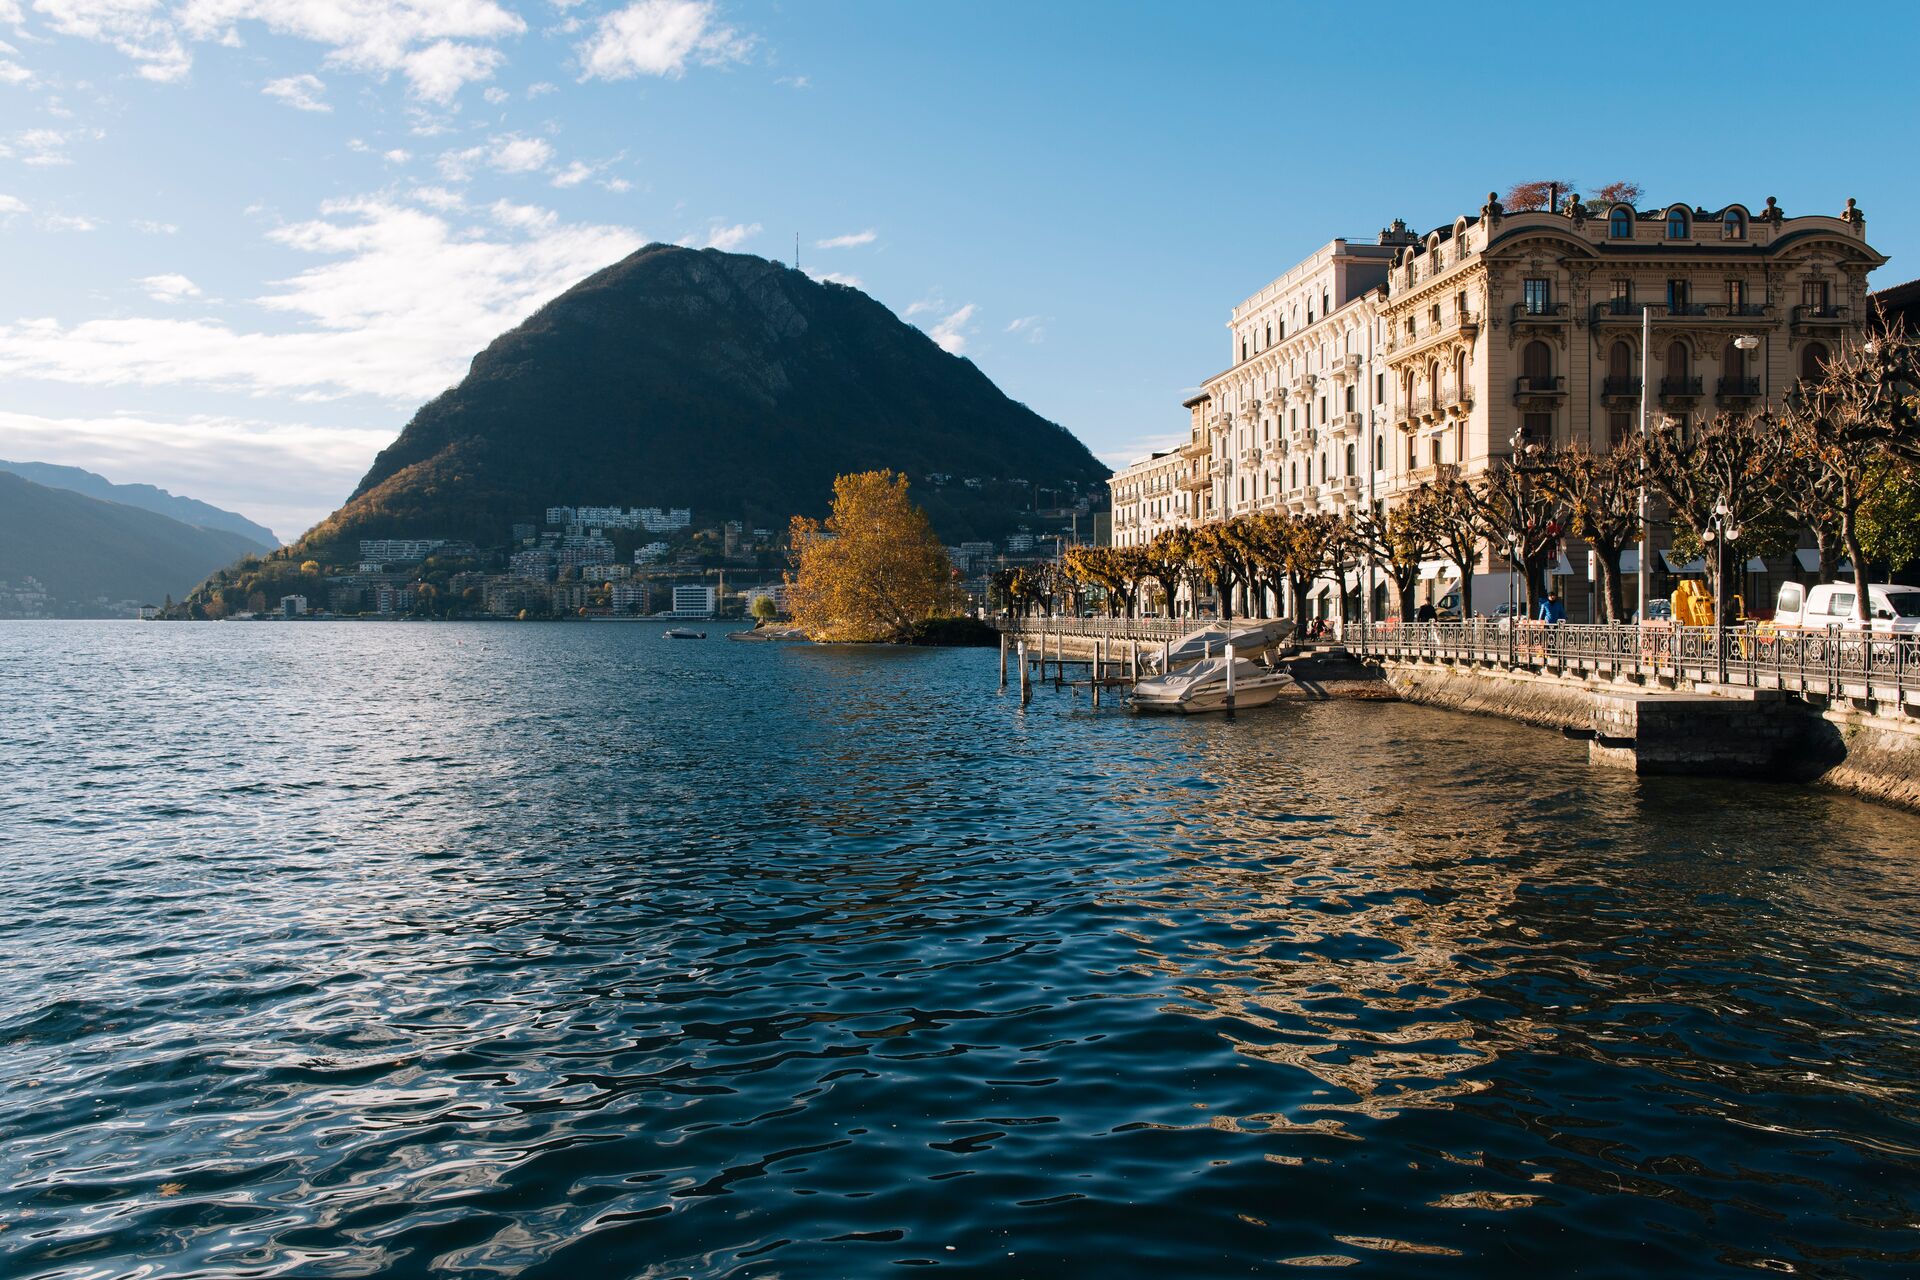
[1020, 544]
[652, 553]
[629, 597]
[293, 606]
[693, 602]
[398, 550]
[523, 533]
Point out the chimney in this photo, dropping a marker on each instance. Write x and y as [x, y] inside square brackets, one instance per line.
[1553, 197]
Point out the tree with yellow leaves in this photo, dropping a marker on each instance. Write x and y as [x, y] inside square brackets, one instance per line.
[873, 570]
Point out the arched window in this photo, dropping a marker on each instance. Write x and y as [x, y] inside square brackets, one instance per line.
[1433, 380]
[1733, 226]
[1460, 375]
[1733, 362]
[1380, 453]
[1813, 361]
[1676, 224]
[1620, 361]
[1677, 360]
[1620, 223]
[1537, 363]
[1323, 468]
[1350, 466]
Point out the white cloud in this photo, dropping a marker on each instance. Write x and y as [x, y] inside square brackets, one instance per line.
[795, 82]
[853, 241]
[496, 95]
[508, 153]
[170, 288]
[541, 89]
[10, 205]
[439, 198]
[10, 13]
[396, 156]
[836, 277]
[950, 333]
[439, 71]
[427, 41]
[617, 185]
[12, 72]
[289, 476]
[1032, 328]
[524, 217]
[148, 227]
[41, 147]
[69, 222]
[302, 92]
[573, 175]
[397, 311]
[658, 38]
[731, 238]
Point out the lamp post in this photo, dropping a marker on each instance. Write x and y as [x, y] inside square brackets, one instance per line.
[1746, 342]
[1718, 537]
[1645, 584]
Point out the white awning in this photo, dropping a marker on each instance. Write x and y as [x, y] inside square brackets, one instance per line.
[1675, 566]
[1560, 566]
[1630, 561]
[1431, 569]
[1320, 588]
[1809, 558]
[1756, 565]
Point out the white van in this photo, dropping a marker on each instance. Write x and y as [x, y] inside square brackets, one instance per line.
[1890, 609]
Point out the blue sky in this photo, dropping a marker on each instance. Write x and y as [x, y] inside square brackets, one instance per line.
[240, 240]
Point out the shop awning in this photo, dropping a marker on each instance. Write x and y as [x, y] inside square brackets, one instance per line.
[1431, 569]
[1561, 567]
[1630, 561]
[1756, 565]
[1675, 565]
[1809, 558]
[1319, 589]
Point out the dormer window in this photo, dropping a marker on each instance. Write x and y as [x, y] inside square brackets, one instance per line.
[1733, 226]
[1620, 224]
[1677, 224]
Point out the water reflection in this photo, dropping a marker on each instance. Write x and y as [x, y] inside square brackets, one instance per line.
[551, 951]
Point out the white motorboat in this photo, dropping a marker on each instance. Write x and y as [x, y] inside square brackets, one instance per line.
[683, 633]
[1202, 686]
[1210, 641]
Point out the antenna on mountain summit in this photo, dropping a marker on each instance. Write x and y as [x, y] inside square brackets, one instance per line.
[796, 251]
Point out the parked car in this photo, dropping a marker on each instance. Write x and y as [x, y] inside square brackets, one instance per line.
[1890, 609]
[1657, 611]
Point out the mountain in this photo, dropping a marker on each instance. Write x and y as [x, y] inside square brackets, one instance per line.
[144, 496]
[720, 382]
[91, 557]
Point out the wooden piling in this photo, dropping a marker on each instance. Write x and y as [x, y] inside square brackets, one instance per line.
[1026, 682]
[1229, 655]
[1099, 654]
[1003, 662]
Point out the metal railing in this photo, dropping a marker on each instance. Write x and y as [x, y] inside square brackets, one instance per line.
[1831, 663]
[1154, 629]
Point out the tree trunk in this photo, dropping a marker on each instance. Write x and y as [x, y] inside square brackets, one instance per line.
[1466, 587]
[1850, 533]
[1609, 582]
[1405, 587]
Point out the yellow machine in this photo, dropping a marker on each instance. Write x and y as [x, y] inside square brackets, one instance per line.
[1693, 605]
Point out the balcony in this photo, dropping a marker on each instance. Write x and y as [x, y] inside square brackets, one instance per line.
[1623, 310]
[1420, 408]
[1617, 388]
[1459, 401]
[1808, 318]
[1552, 313]
[1532, 391]
[1347, 423]
[1680, 389]
[1737, 389]
[1348, 365]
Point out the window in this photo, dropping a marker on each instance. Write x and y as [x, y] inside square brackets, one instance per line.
[1243, 348]
[1323, 468]
[1460, 304]
[1733, 363]
[1676, 297]
[1283, 328]
[1350, 467]
[1434, 315]
[1412, 458]
[1294, 472]
[1433, 450]
[1622, 302]
[1460, 376]
[1619, 424]
[1380, 453]
[1326, 303]
[1620, 224]
[1350, 398]
[1537, 428]
[1534, 291]
[1269, 333]
[1323, 410]
[1813, 361]
[1733, 226]
[1379, 388]
[1813, 294]
[1736, 297]
[1410, 327]
[1620, 362]
[1537, 364]
[1677, 224]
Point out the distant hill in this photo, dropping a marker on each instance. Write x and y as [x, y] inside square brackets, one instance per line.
[91, 555]
[721, 382]
[146, 497]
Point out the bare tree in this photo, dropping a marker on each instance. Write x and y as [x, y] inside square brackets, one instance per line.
[1453, 517]
[1844, 426]
[1523, 515]
[1601, 494]
[1730, 473]
[1400, 541]
[1525, 197]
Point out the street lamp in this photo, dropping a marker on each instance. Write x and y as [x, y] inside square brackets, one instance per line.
[1718, 536]
[1747, 342]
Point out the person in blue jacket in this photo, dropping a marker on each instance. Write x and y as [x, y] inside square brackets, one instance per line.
[1551, 609]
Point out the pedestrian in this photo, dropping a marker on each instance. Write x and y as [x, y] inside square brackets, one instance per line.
[1551, 609]
[1425, 612]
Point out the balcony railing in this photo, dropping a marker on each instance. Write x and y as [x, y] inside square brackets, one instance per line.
[1822, 314]
[1618, 309]
[1680, 387]
[1539, 312]
[1618, 386]
[1539, 386]
[1739, 388]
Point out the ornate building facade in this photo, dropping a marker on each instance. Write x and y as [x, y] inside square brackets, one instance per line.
[1367, 368]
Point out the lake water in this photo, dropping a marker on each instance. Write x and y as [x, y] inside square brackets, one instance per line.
[566, 951]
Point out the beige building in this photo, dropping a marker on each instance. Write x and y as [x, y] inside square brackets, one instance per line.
[1149, 496]
[1363, 370]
